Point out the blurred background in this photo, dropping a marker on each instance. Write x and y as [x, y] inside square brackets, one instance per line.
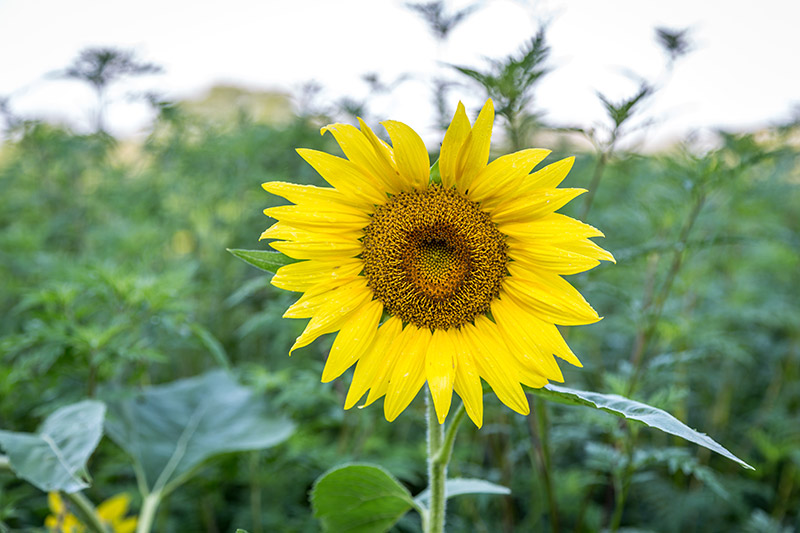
[135, 137]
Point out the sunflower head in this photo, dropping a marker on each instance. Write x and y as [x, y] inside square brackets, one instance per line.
[446, 282]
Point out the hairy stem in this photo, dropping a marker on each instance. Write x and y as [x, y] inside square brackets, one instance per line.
[440, 449]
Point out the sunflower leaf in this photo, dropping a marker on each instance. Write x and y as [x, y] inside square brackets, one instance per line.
[263, 259]
[169, 430]
[633, 410]
[359, 498]
[54, 458]
[458, 486]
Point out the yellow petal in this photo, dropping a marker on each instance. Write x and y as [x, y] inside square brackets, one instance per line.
[352, 340]
[316, 297]
[333, 314]
[552, 257]
[307, 194]
[114, 508]
[126, 526]
[370, 362]
[547, 178]
[467, 383]
[488, 355]
[410, 154]
[345, 176]
[360, 148]
[383, 373]
[548, 295]
[534, 205]
[408, 375]
[474, 153]
[544, 334]
[319, 218]
[588, 249]
[284, 231]
[387, 171]
[451, 145]
[498, 179]
[513, 325]
[553, 228]
[440, 369]
[302, 276]
[321, 247]
[516, 365]
[55, 503]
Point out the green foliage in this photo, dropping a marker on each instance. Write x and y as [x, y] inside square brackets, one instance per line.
[114, 277]
[169, 430]
[511, 82]
[460, 486]
[633, 410]
[359, 499]
[54, 458]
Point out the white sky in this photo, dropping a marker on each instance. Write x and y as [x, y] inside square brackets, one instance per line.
[742, 74]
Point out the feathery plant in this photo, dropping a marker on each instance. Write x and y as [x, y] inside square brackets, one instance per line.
[101, 67]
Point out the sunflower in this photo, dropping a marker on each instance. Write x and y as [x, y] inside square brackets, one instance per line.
[111, 512]
[444, 280]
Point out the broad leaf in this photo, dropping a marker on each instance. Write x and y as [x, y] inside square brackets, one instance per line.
[458, 486]
[54, 458]
[359, 498]
[170, 429]
[633, 410]
[263, 259]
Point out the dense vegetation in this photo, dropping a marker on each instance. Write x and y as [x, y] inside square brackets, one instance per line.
[114, 274]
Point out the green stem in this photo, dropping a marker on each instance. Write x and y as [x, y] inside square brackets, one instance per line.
[255, 492]
[643, 340]
[440, 449]
[542, 426]
[597, 175]
[437, 472]
[148, 513]
[87, 512]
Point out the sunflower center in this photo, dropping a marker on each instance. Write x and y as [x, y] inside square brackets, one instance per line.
[433, 258]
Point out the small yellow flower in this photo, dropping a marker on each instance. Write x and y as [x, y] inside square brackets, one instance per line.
[444, 283]
[111, 512]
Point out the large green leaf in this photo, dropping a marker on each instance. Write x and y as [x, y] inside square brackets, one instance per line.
[458, 486]
[631, 409]
[359, 498]
[263, 259]
[170, 429]
[54, 458]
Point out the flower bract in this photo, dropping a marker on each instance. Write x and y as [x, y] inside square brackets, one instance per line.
[446, 282]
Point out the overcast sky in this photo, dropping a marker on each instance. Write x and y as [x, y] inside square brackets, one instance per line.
[743, 72]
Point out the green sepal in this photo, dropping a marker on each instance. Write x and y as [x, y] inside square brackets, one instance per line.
[436, 176]
[266, 260]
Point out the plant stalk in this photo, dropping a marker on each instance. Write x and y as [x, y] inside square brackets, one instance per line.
[440, 449]
[87, 512]
[597, 175]
[148, 513]
[543, 450]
